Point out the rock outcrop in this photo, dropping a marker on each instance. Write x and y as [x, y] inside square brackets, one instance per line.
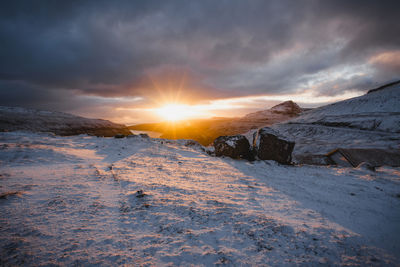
[236, 146]
[288, 108]
[270, 145]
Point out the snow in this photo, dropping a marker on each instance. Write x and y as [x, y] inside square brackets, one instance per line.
[232, 141]
[378, 111]
[75, 201]
[317, 139]
[368, 121]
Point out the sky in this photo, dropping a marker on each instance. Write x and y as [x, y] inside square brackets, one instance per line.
[121, 60]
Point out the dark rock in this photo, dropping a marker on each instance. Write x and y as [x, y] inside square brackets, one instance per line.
[119, 136]
[194, 144]
[143, 135]
[236, 147]
[270, 145]
[366, 166]
[6, 195]
[140, 194]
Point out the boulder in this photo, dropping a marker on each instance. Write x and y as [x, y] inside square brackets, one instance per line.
[366, 166]
[144, 135]
[194, 144]
[236, 147]
[270, 145]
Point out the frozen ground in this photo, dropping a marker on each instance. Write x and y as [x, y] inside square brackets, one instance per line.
[75, 201]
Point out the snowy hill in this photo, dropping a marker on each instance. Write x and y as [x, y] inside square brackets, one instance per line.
[90, 201]
[288, 108]
[23, 119]
[379, 110]
[368, 121]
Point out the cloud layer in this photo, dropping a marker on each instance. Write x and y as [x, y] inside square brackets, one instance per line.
[54, 52]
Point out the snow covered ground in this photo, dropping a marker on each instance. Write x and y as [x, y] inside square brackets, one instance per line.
[102, 201]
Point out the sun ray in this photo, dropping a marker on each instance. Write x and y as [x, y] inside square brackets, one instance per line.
[175, 112]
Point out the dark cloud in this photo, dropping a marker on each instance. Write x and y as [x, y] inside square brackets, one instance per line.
[54, 51]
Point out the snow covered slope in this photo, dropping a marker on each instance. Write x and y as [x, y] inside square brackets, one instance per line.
[378, 110]
[84, 200]
[368, 121]
[23, 119]
[288, 108]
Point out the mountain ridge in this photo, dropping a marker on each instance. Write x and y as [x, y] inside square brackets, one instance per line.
[60, 123]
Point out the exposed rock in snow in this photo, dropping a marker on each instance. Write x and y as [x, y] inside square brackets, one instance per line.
[236, 147]
[119, 136]
[143, 135]
[23, 119]
[366, 166]
[194, 144]
[270, 145]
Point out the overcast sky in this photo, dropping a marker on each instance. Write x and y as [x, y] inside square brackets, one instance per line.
[114, 59]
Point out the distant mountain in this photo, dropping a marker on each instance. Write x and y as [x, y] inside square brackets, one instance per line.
[24, 119]
[288, 108]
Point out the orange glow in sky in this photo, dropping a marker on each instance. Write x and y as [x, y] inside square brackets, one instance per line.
[176, 112]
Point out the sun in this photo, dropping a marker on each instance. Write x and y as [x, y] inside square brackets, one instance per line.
[175, 112]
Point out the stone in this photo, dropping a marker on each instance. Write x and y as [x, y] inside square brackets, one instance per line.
[270, 145]
[366, 166]
[144, 135]
[236, 147]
